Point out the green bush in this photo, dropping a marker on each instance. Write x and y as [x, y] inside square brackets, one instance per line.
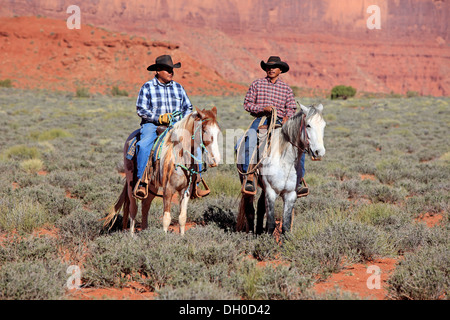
[115, 91]
[22, 214]
[7, 83]
[342, 92]
[423, 275]
[38, 280]
[21, 152]
[82, 92]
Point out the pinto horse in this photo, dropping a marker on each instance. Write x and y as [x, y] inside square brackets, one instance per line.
[175, 173]
[278, 171]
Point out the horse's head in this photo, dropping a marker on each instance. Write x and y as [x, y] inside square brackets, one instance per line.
[210, 135]
[315, 126]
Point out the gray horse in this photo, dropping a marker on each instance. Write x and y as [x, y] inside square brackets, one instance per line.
[278, 171]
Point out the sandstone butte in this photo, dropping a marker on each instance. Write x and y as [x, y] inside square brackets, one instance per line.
[221, 43]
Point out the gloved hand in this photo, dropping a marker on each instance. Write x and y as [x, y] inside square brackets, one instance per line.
[165, 118]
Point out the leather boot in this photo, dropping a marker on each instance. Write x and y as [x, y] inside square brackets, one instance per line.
[249, 186]
[302, 189]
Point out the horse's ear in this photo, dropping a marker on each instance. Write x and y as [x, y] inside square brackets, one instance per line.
[214, 111]
[304, 109]
[200, 113]
[320, 108]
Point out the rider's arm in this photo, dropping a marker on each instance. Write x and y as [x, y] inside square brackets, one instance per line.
[143, 105]
[250, 103]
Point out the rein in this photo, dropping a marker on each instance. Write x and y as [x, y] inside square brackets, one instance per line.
[267, 147]
[303, 138]
[190, 172]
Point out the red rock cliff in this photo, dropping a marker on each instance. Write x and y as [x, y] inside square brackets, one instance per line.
[326, 42]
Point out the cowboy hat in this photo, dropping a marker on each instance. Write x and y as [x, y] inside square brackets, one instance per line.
[163, 61]
[275, 61]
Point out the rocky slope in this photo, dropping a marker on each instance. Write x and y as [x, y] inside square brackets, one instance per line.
[44, 53]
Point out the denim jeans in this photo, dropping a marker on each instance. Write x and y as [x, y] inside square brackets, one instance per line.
[144, 146]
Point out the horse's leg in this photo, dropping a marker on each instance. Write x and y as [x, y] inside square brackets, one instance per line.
[250, 213]
[260, 212]
[270, 196]
[183, 211]
[167, 200]
[289, 201]
[130, 210]
[145, 209]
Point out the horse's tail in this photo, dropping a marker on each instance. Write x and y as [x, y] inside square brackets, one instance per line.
[241, 222]
[246, 213]
[121, 204]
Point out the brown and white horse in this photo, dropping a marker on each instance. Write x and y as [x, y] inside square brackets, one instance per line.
[175, 170]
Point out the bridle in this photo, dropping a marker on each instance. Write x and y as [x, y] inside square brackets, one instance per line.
[302, 144]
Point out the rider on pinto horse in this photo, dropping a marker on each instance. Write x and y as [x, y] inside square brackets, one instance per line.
[158, 99]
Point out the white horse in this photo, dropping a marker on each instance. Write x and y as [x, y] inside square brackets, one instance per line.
[278, 172]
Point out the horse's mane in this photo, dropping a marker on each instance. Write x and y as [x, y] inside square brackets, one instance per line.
[177, 135]
[290, 131]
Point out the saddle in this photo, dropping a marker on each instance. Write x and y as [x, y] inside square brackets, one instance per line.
[263, 142]
[151, 175]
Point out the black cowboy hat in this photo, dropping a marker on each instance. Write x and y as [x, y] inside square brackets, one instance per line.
[275, 61]
[163, 61]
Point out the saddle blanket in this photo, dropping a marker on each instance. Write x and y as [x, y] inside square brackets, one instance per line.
[156, 149]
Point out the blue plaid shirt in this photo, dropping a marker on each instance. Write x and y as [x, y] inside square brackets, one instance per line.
[156, 98]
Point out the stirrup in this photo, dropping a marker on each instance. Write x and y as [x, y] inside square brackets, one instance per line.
[139, 196]
[303, 194]
[251, 182]
[200, 193]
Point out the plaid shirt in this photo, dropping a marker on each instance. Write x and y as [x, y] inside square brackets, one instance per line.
[263, 93]
[156, 98]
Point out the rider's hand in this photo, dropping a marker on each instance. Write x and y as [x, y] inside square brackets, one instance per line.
[165, 118]
[268, 109]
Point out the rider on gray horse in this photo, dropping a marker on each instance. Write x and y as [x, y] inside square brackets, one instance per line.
[263, 96]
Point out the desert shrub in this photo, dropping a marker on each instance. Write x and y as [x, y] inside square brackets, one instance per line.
[342, 92]
[387, 194]
[265, 247]
[412, 94]
[7, 83]
[115, 91]
[197, 290]
[422, 275]
[51, 134]
[270, 282]
[377, 214]
[21, 152]
[82, 92]
[37, 280]
[32, 165]
[223, 183]
[19, 249]
[52, 198]
[388, 123]
[22, 214]
[79, 227]
[323, 252]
